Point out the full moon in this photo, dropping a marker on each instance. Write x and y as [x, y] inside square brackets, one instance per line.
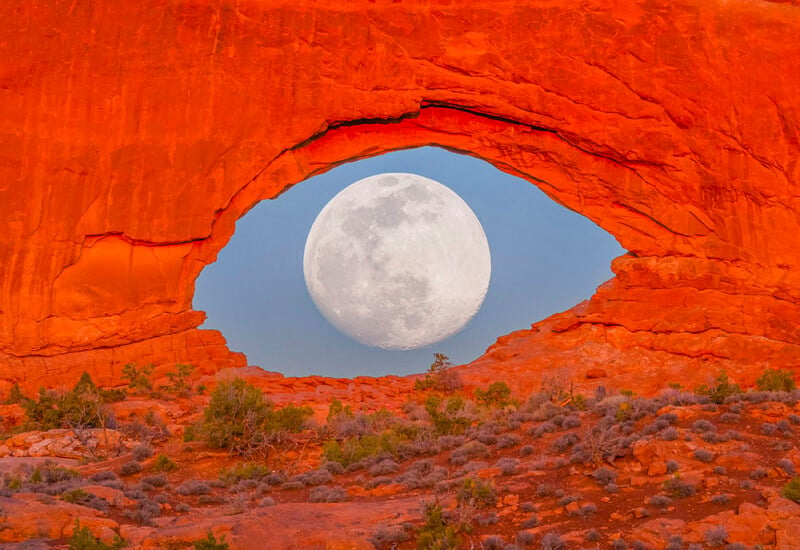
[397, 261]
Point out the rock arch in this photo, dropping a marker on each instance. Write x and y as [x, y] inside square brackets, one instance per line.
[132, 137]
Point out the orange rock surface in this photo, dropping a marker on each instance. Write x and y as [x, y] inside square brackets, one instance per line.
[133, 135]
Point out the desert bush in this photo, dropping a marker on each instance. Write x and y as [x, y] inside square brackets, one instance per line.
[138, 378]
[525, 538]
[507, 440]
[493, 542]
[81, 407]
[716, 536]
[193, 487]
[703, 455]
[211, 543]
[437, 532]
[15, 396]
[496, 396]
[353, 451]
[470, 450]
[677, 488]
[787, 466]
[767, 428]
[552, 541]
[555, 383]
[239, 419]
[313, 477]
[386, 537]
[531, 522]
[243, 471]
[508, 466]
[758, 473]
[327, 494]
[142, 451]
[721, 391]
[386, 466]
[526, 450]
[619, 544]
[587, 511]
[672, 466]
[776, 380]
[83, 539]
[130, 468]
[792, 490]
[565, 442]
[660, 501]
[179, 379]
[669, 434]
[144, 511]
[422, 473]
[440, 376]
[448, 416]
[721, 499]
[604, 475]
[159, 480]
[104, 475]
[476, 492]
[163, 463]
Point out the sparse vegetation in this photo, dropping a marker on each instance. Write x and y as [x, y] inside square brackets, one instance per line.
[776, 380]
[139, 379]
[211, 543]
[437, 533]
[440, 376]
[239, 419]
[82, 407]
[721, 391]
[83, 539]
[497, 396]
[792, 490]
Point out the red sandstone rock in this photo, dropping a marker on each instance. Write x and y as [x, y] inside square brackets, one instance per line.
[596, 373]
[126, 161]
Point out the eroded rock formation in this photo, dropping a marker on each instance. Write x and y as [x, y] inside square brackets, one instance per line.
[134, 135]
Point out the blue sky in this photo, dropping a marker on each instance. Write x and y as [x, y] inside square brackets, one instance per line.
[545, 259]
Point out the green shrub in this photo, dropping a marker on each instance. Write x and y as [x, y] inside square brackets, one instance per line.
[179, 379]
[82, 539]
[437, 533]
[447, 416]
[776, 380]
[792, 490]
[496, 396]
[239, 472]
[211, 543]
[355, 449]
[440, 376]
[476, 492]
[289, 419]
[75, 496]
[721, 391]
[239, 419]
[337, 411]
[14, 396]
[163, 463]
[82, 407]
[138, 378]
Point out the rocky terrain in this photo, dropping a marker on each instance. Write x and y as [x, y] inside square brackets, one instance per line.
[133, 136]
[429, 464]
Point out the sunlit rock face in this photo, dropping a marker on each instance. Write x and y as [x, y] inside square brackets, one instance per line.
[133, 135]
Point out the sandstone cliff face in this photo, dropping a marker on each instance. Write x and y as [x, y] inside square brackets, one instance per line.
[134, 135]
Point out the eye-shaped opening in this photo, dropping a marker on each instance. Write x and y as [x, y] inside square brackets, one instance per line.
[545, 259]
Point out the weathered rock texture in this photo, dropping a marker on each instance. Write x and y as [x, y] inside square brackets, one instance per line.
[133, 135]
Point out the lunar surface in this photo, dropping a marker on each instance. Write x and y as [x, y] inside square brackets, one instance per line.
[397, 261]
